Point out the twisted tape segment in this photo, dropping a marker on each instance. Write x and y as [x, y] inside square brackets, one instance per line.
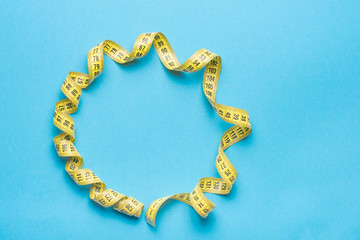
[72, 88]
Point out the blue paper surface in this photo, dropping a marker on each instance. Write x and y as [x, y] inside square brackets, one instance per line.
[149, 133]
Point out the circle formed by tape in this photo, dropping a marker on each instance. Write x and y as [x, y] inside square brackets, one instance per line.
[76, 81]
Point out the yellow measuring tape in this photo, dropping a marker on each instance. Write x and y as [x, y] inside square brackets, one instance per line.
[72, 88]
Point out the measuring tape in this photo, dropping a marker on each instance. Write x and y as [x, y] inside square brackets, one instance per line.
[76, 81]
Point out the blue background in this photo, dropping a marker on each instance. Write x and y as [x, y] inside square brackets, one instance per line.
[148, 133]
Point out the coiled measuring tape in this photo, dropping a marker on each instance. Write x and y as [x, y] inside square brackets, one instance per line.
[76, 81]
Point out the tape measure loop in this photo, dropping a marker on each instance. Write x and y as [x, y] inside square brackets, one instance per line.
[72, 89]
